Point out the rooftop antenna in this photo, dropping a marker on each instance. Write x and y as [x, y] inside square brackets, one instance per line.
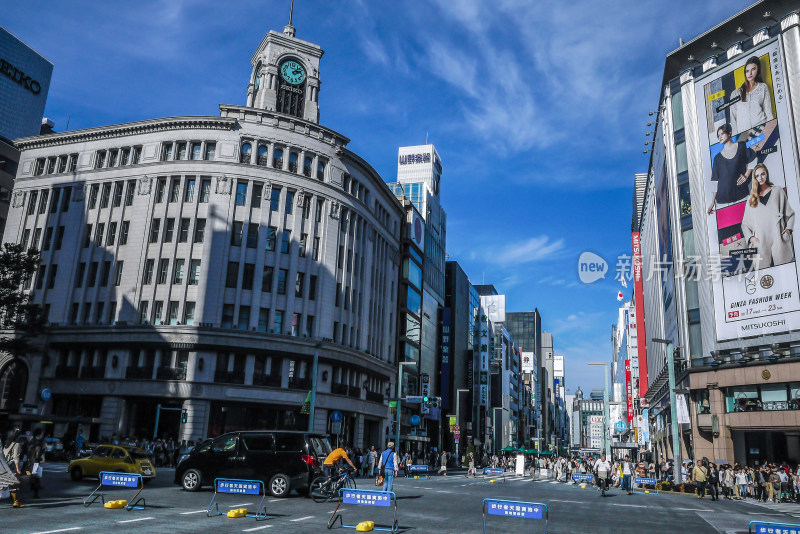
[289, 29]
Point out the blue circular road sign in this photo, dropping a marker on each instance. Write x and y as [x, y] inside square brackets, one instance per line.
[45, 394]
[414, 420]
[336, 416]
[620, 426]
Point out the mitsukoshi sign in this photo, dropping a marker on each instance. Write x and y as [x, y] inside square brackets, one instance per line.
[751, 195]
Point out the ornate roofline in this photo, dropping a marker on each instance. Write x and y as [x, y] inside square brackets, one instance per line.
[337, 139]
[129, 128]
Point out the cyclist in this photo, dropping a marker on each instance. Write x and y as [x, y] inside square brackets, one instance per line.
[602, 471]
[333, 459]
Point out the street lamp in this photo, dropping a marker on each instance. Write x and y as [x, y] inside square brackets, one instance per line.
[673, 410]
[458, 419]
[400, 397]
[606, 414]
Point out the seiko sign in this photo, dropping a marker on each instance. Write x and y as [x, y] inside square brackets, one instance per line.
[20, 77]
[415, 158]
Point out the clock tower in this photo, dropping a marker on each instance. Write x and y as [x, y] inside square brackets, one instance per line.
[285, 75]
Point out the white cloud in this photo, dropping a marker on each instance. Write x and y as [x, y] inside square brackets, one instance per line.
[534, 249]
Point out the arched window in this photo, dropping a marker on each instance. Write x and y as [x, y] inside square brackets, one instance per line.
[244, 157]
[13, 384]
[262, 155]
[293, 161]
[277, 158]
[257, 81]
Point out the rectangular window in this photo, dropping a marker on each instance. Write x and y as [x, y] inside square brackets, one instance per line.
[306, 206]
[130, 189]
[48, 236]
[147, 277]
[181, 151]
[227, 316]
[93, 190]
[199, 230]
[173, 312]
[27, 233]
[315, 250]
[155, 229]
[194, 272]
[177, 272]
[197, 151]
[116, 201]
[123, 232]
[285, 241]
[66, 197]
[105, 195]
[307, 164]
[40, 272]
[43, 201]
[247, 275]
[255, 198]
[232, 276]
[188, 313]
[158, 310]
[98, 234]
[32, 202]
[163, 269]
[183, 232]
[272, 233]
[277, 323]
[309, 325]
[338, 299]
[211, 151]
[54, 200]
[241, 193]
[312, 288]
[175, 190]
[59, 238]
[112, 234]
[244, 318]
[282, 273]
[104, 274]
[137, 155]
[266, 279]
[321, 170]
[92, 274]
[166, 152]
[295, 324]
[236, 233]
[289, 202]
[275, 199]
[340, 257]
[298, 285]
[87, 312]
[252, 235]
[188, 192]
[143, 312]
[169, 230]
[681, 158]
[161, 187]
[118, 273]
[302, 250]
[79, 274]
[205, 190]
[263, 317]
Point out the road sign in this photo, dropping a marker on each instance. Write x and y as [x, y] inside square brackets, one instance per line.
[415, 399]
[620, 426]
[415, 420]
[457, 428]
[336, 416]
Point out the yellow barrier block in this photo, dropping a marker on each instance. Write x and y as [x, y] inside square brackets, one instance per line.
[416, 477]
[115, 504]
[237, 512]
[365, 526]
[492, 481]
[647, 491]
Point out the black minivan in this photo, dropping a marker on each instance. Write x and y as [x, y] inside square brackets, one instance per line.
[283, 460]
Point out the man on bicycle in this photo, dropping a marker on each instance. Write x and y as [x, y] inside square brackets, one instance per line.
[602, 471]
[333, 459]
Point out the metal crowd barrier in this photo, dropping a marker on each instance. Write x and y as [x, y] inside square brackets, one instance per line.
[582, 477]
[772, 528]
[642, 482]
[519, 509]
[419, 469]
[119, 480]
[365, 498]
[494, 471]
[235, 486]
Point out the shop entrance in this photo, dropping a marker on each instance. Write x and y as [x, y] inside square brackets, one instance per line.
[761, 446]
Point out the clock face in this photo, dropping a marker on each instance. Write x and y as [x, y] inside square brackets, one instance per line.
[293, 72]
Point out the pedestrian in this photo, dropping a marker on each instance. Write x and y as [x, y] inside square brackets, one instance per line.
[407, 461]
[627, 472]
[443, 467]
[471, 471]
[741, 483]
[35, 459]
[713, 482]
[727, 481]
[372, 458]
[12, 453]
[388, 466]
[700, 476]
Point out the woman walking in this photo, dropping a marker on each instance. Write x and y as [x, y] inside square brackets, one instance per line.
[11, 466]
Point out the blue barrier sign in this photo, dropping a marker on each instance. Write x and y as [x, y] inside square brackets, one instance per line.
[759, 527]
[493, 471]
[119, 480]
[242, 487]
[520, 509]
[368, 498]
[645, 481]
[417, 468]
[583, 477]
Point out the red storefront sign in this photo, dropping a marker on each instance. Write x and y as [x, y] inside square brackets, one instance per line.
[638, 295]
[629, 389]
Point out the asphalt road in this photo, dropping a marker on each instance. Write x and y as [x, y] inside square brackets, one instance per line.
[440, 505]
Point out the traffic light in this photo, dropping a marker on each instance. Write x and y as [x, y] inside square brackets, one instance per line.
[424, 399]
[184, 417]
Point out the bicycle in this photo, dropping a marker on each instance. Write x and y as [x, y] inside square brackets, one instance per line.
[324, 489]
[602, 483]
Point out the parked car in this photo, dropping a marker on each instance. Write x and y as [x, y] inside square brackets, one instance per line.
[282, 460]
[54, 449]
[116, 458]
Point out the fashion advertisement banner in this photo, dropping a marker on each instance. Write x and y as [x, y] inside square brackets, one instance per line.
[751, 195]
[665, 267]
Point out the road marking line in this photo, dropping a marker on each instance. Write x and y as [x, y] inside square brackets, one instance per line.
[575, 502]
[275, 500]
[631, 505]
[257, 528]
[135, 520]
[195, 512]
[303, 518]
[59, 530]
[243, 504]
[693, 509]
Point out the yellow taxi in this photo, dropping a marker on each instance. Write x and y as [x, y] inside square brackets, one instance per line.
[116, 458]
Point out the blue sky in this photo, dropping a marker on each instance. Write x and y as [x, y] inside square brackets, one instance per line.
[538, 110]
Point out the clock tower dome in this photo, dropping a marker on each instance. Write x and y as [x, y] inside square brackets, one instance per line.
[285, 75]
